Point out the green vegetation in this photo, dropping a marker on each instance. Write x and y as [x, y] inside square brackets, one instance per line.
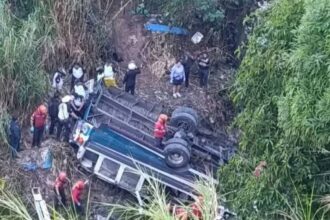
[157, 206]
[283, 92]
[22, 79]
[195, 13]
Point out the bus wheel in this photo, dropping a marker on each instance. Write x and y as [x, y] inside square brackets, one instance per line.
[184, 118]
[177, 155]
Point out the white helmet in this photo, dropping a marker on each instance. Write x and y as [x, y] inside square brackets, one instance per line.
[132, 66]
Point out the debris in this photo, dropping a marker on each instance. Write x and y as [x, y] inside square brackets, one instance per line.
[160, 28]
[261, 166]
[40, 204]
[35, 158]
[197, 37]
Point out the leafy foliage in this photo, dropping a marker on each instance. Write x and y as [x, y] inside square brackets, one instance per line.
[196, 12]
[282, 90]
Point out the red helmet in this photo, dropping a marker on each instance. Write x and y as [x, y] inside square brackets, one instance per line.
[42, 109]
[62, 176]
[163, 117]
[80, 185]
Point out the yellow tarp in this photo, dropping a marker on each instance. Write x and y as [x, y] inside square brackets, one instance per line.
[110, 82]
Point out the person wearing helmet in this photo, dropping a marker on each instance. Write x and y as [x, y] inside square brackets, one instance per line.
[130, 77]
[59, 189]
[160, 130]
[64, 112]
[76, 192]
[58, 79]
[77, 75]
[197, 208]
[38, 124]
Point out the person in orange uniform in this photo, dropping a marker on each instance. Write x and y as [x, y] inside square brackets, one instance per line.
[77, 190]
[59, 185]
[38, 124]
[196, 208]
[160, 130]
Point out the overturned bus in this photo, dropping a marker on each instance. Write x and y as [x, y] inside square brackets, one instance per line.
[115, 141]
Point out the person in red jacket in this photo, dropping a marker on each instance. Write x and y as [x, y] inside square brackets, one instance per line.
[38, 124]
[197, 207]
[160, 130]
[77, 190]
[59, 185]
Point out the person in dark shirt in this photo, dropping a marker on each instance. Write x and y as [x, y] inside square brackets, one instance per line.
[187, 62]
[53, 112]
[203, 64]
[14, 136]
[130, 77]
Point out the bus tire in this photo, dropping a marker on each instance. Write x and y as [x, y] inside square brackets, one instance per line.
[184, 121]
[176, 155]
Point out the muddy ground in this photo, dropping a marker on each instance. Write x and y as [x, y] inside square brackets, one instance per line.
[155, 54]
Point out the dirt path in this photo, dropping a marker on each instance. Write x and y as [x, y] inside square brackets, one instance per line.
[154, 53]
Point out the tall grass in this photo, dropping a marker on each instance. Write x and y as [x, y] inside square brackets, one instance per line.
[12, 207]
[157, 206]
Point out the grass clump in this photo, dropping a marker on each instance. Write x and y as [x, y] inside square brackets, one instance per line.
[157, 205]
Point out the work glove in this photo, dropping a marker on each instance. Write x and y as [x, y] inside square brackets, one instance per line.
[32, 129]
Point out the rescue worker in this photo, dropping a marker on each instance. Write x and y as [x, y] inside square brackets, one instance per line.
[14, 135]
[204, 65]
[64, 113]
[76, 193]
[109, 75]
[77, 75]
[178, 212]
[59, 189]
[197, 207]
[38, 124]
[53, 112]
[160, 130]
[130, 77]
[58, 79]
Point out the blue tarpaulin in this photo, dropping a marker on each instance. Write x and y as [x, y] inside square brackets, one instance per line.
[33, 159]
[160, 28]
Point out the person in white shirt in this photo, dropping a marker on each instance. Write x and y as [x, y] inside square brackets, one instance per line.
[64, 113]
[77, 75]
